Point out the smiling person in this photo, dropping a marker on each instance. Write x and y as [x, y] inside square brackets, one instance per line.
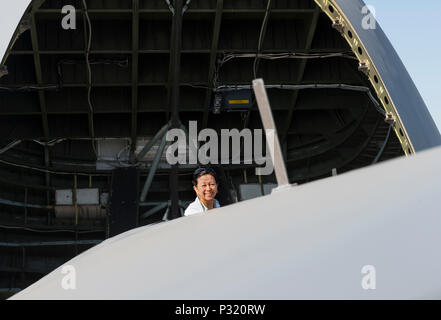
[205, 186]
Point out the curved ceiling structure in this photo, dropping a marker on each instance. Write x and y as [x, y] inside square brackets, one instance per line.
[89, 86]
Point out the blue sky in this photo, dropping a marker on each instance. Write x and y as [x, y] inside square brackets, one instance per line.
[414, 28]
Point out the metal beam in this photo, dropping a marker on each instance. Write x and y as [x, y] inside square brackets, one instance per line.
[270, 126]
[27, 270]
[56, 12]
[11, 182]
[48, 181]
[175, 122]
[10, 290]
[346, 157]
[150, 144]
[176, 63]
[309, 39]
[170, 71]
[152, 51]
[39, 77]
[25, 205]
[258, 52]
[262, 35]
[135, 74]
[10, 146]
[155, 210]
[213, 58]
[153, 168]
[332, 142]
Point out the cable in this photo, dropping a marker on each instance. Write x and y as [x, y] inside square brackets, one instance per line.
[194, 86]
[380, 152]
[265, 19]
[29, 88]
[127, 165]
[120, 63]
[89, 75]
[52, 171]
[274, 56]
[110, 163]
[54, 142]
[49, 143]
[48, 231]
[288, 55]
[310, 86]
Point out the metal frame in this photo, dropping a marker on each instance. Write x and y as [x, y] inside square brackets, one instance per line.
[424, 133]
[213, 59]
[39, 77]
[301, 74]
[135, 74]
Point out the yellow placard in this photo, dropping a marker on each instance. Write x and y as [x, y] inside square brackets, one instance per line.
[238, 101]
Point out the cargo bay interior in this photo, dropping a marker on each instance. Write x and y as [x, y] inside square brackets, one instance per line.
[82, 112]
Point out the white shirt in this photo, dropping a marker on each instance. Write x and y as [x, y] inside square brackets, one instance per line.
[197, 206]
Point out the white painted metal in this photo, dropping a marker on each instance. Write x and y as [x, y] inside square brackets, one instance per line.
[269, 187]
[254, 190]
[87, 196]
[63, 197]
[309, 241]
[250, 191]
[269, 126]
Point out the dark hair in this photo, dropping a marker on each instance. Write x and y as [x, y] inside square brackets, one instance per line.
[202, 172]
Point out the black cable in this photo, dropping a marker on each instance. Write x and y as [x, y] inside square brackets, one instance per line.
[29, 88]
[47, 231]
[121, 63]
[341, 86]
[89, 74]
[53, 171]
[265, 20]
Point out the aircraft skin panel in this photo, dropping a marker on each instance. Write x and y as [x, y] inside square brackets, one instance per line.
[286, 245]
[414, 127]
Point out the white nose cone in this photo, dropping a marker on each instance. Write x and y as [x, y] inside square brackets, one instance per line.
[373, 233]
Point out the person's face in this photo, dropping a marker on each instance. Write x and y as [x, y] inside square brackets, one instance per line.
[206, 188]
